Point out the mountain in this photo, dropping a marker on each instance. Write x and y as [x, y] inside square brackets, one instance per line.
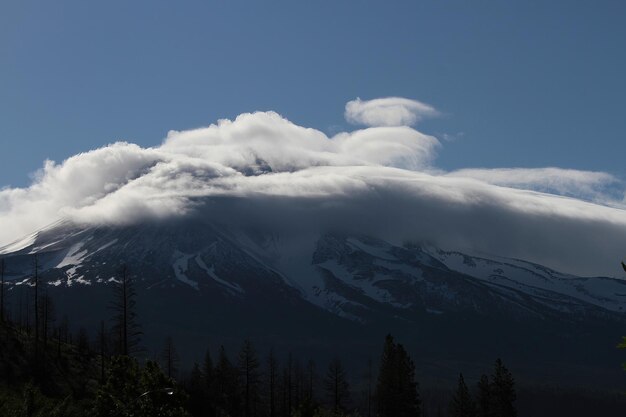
[203, 282]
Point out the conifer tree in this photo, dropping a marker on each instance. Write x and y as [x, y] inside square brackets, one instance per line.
[250, 378]
[298, 383]
[336, 386]
[397, 389]
[368, 375]
[284, 388]
[272, 383]
[102, 348]
[169, 357]
[48, 317]
[483, 400]
[198, 392]
[82, 343]
[311, 377]
[226, 386]
[209, 384]
[462, 404]
[207, 369]
[125, 323]
[289, 382]
[502, 391]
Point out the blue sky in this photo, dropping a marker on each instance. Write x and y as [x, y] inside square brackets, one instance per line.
[520, 84]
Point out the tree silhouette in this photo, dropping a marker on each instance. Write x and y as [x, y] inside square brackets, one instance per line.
[461, 404]
[125, 323]
[483, 400]
[103, 348]
[250, 378]
[170, 358]
[208, 374]
[226, 386]
[397, 388]
[272, 382]
[336, 386]
[502, 391]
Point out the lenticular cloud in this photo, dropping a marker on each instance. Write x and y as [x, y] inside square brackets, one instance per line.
[260, 168]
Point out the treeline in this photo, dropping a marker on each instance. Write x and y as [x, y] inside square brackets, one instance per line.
[49, 370]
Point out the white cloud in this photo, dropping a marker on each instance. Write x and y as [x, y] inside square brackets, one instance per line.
[263, 169]
[389, 111]
[590, 185]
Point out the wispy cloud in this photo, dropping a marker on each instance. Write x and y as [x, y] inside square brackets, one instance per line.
[590, 185]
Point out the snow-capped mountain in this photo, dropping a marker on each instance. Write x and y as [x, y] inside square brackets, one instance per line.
[354, 277]
[201, 282]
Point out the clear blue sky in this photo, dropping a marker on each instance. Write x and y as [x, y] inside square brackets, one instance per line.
[528, 83]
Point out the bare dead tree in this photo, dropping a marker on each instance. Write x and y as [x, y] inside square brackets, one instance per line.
[125, 320]
[102, 343]
[272, 375]
[170, 358]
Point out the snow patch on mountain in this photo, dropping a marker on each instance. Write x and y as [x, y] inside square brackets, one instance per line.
[231, 287]
[73, 257]
[536, 280]
[180, 266]
[364, 286]
[381, 252]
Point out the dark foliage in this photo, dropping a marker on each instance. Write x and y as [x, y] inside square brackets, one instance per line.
[397, 389]
[462, 404]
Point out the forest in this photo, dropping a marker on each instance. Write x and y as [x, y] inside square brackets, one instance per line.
[49, 369]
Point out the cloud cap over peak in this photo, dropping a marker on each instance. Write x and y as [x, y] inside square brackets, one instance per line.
[263, 169]
[388, 111]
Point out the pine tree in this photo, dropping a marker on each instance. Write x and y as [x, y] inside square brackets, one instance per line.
[503, 391]
[169, 357]
[369, 387]
[209, 384]
[311, 377]
[226, 387]
[483, 400]
[284, 389]
[336, 386]
[198, 392]
[48, 317]
[250, 378]
[387, 380]
[397, 389]
[298, 383]
[82, 343]
[462, 404]
[125, 320]
[289, 382]
[207, 370]
[103, 349]
[272, 382]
